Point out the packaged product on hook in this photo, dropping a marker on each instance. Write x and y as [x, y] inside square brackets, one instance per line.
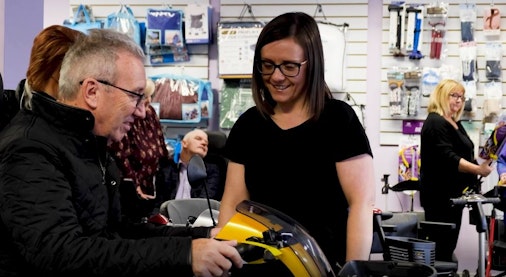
[492, 21]
[467, 20]
[493, 98]
[468, 60]
[430, 78]
[469, 105]
[437, 16]
[414, 31]
[413, 97]
[397, 92]
[396, 29]
[182, 98]
[164, 36]
[124, 21]
[493, 56]
[409, 158]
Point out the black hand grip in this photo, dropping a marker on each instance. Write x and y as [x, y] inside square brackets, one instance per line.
[250, 253]
[474, 198]
[458, 201]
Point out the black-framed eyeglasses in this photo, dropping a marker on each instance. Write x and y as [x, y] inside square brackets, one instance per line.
[457, 96]
[139, 96]
[289, 69]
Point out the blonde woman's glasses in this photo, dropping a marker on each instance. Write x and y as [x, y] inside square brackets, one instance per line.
[457, 96]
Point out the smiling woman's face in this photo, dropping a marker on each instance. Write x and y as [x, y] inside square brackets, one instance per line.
[285, 89]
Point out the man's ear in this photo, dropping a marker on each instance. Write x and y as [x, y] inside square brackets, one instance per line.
[184, 144]
[89, 92]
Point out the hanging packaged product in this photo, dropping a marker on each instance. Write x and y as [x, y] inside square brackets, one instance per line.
[397, 92]
[236, 47]
[492, 102]
[334, 52]
[467, 21]
[470, 105]
[412, 83]
[235, 99]
[409, 158]
[414, 30]
[493, 56]
[492, 21]
[183, 99]
[468, 60]
[430, 78]
[396, 43]
[437, 16]
[124, 21]
[164, 36]
[198, 23]
[236, 44]
[83, 20]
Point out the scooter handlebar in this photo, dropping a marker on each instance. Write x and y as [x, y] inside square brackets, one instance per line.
[474, 198]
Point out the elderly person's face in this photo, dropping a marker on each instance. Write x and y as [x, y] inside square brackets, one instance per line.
[196, 143]
[119, 106]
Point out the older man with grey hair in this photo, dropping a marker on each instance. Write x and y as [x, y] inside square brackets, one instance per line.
[59, 201]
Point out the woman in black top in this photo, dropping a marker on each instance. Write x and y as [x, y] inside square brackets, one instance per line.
[448, 162]
[285, 152]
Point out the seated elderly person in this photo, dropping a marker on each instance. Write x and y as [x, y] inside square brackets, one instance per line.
[172, 181]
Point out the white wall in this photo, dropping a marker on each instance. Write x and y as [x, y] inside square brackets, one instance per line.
[53, 15]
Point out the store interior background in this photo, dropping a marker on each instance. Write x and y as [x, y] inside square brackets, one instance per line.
[368, 60]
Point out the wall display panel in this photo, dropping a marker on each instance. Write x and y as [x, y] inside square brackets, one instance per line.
[354, 13]
[198, 63]
[203, 62]
[389, 135]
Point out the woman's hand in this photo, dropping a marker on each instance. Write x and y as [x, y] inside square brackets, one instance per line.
[486, 168]
[144, 196]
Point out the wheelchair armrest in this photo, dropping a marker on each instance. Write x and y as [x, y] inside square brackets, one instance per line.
[389, 228]
[436, 226]
[386, 215]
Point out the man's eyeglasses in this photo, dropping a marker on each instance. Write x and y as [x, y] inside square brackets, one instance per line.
[457, 96]
[289, 69]
[139, 96]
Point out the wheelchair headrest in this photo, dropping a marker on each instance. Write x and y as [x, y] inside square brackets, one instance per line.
[216, 142]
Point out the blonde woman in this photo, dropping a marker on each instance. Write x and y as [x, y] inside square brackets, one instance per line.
[448, 166]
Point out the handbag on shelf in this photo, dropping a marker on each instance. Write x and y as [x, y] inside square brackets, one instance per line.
[83, 26]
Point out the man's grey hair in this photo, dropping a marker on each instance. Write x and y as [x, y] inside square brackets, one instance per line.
[94, 57]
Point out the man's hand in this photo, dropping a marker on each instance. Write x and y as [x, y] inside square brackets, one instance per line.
[214, 232]
[212, 257]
